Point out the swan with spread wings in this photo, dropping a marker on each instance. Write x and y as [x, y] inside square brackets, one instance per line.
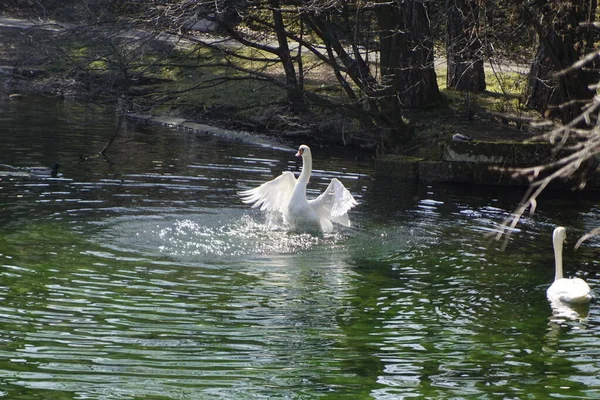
[287, 195]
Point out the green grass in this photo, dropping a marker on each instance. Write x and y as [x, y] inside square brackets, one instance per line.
[183, 83]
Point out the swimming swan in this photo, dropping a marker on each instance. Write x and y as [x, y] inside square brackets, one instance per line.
[287, 195]
[572, 291]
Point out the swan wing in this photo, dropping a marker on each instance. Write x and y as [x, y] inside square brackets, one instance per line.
[333, 204]
[273, 195]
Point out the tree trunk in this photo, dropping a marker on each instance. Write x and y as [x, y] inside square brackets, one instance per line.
[542, 86]
[562, 41]
[294, 94]
[406, 52]
[463, 47]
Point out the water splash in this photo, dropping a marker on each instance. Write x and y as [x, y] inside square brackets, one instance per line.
[208, 235]
[245, 236]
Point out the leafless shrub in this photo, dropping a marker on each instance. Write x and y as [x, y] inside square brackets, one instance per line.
[577, 148]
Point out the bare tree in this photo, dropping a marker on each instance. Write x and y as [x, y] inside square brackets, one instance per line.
[380, 53]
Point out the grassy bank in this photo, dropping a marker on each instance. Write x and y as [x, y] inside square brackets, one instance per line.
[177, 78]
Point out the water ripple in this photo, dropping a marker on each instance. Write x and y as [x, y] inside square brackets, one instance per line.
[145, 277]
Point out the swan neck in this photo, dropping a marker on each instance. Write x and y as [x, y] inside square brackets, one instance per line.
[306, 169]
[558, 250]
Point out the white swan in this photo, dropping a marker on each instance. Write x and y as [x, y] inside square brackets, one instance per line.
[287, 195]
[571, 291]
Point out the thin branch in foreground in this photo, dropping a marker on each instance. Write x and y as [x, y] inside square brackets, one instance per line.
[593, 232]
[583, 145]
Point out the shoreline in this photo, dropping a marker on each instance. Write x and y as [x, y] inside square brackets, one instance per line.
[195, 127]
[487, 160]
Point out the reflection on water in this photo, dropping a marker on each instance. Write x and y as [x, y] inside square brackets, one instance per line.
[143, 276]
[563, 312]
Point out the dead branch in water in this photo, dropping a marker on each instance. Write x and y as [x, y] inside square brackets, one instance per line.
[121, 109]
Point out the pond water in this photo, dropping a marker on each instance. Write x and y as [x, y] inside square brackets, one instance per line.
[143, 276]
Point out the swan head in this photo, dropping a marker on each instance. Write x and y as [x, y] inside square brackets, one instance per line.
[303, 151]
[559, 235]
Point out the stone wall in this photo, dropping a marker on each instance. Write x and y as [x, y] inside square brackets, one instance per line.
[476, 162]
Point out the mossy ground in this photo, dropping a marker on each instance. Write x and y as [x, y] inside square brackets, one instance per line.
[198, 85]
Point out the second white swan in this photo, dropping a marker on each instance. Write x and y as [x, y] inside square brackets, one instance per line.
[573, 290]
[287, 195]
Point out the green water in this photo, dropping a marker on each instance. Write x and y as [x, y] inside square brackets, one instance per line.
[143, 276]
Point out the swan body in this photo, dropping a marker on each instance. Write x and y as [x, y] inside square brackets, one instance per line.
[565, 290]
[287, 195]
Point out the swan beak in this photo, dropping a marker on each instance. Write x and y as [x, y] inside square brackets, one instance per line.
[299, 153]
